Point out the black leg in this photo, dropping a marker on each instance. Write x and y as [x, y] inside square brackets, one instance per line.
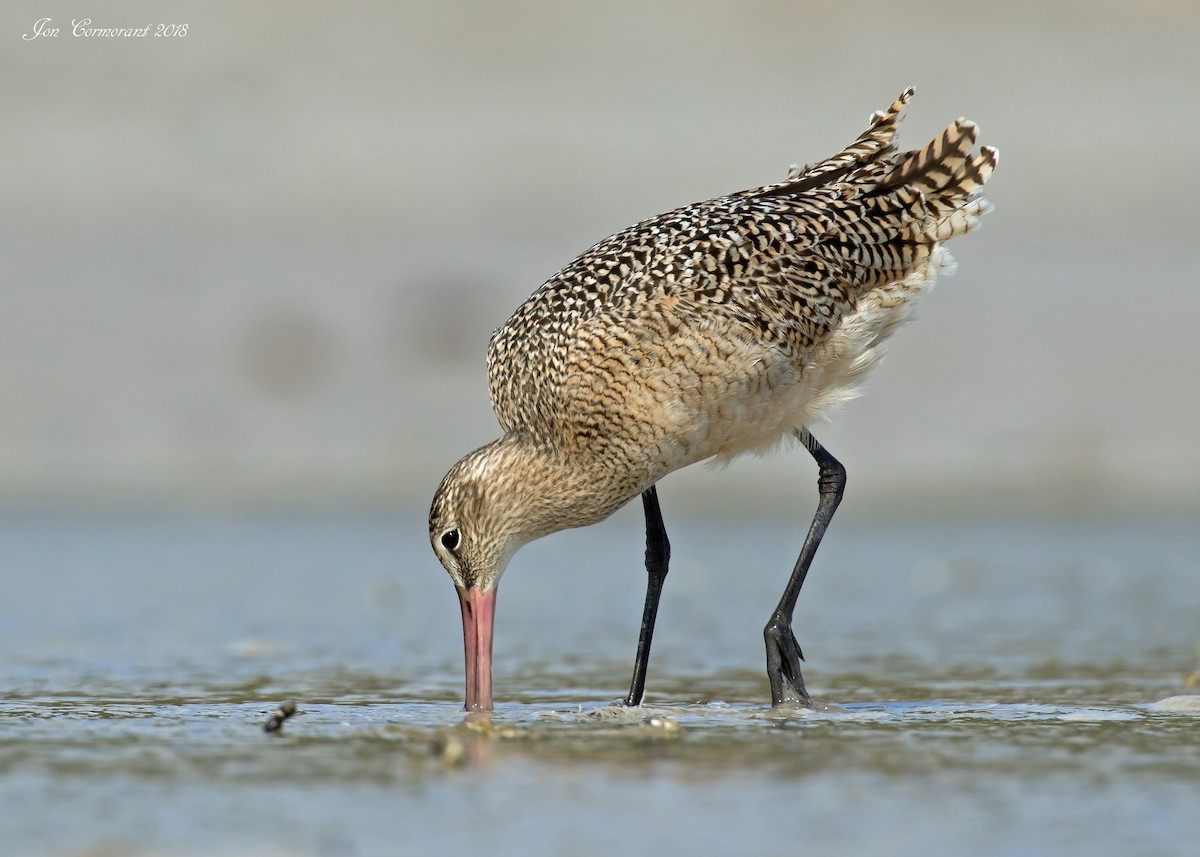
[783, 652]
[658, 555]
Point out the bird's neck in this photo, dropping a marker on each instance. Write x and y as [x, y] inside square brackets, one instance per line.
[542, 490]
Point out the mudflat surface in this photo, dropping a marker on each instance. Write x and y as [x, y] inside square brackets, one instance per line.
[984, 688]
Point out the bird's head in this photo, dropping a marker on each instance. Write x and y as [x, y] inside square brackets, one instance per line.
[475, 528]
[470, 527]
[496, 499]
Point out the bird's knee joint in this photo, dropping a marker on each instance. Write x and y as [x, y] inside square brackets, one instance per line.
[832, 479]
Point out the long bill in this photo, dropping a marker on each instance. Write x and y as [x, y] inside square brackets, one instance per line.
[478, 611]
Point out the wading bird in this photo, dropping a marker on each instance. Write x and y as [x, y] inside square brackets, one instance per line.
[713, 330]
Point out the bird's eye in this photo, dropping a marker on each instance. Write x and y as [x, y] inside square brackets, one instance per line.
[450, 539]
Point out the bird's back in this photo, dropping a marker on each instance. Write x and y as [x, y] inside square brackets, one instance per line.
[719, 327]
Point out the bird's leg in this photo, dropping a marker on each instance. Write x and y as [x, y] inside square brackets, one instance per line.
[783, 652]
[658, 555]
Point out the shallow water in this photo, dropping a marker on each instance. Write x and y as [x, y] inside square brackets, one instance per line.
[984, 688]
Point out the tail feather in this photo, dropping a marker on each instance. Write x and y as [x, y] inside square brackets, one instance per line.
[941, 184]
[886, 212]
[914, 201]
[955, 208]
[877, 141]
[939, 164]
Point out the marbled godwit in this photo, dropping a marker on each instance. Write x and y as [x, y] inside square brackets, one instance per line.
[706, 332]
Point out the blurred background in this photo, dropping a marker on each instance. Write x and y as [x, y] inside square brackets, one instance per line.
[256, 266]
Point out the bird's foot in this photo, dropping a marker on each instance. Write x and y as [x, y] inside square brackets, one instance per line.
[783, 665]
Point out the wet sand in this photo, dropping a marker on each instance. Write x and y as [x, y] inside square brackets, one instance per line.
[986, 688]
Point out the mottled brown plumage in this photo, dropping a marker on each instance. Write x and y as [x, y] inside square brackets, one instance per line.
[712, 330]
